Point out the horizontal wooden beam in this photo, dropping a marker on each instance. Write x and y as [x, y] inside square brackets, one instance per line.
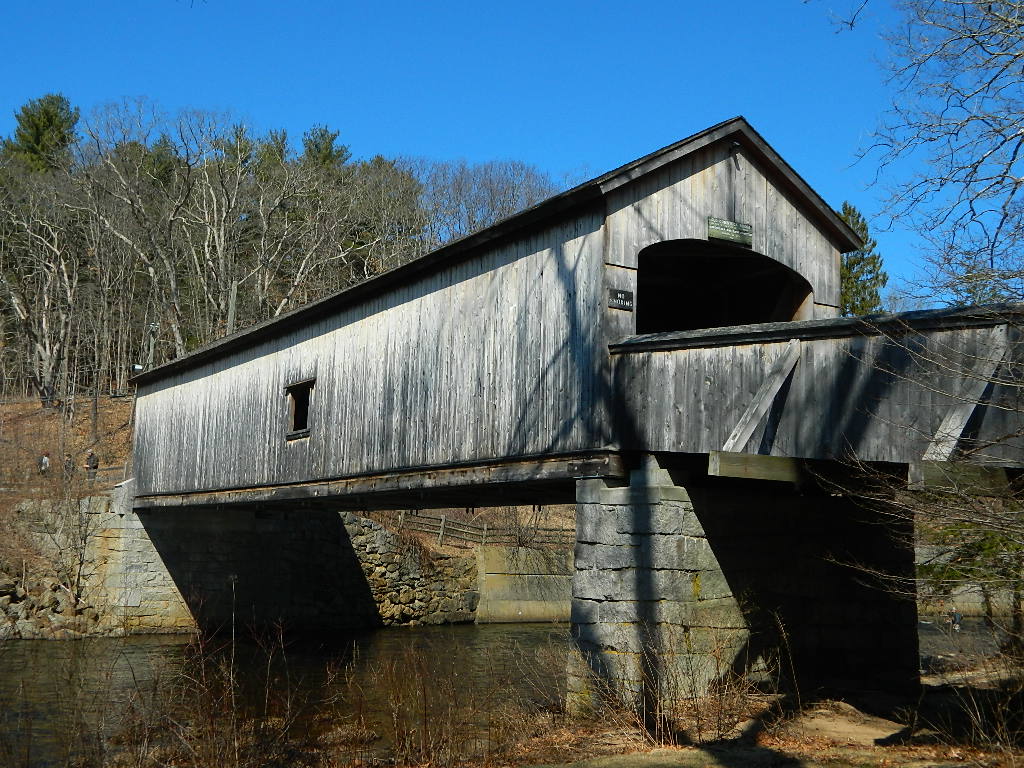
[405, 488]
[895, 325]
[782, 469]
[959, 477]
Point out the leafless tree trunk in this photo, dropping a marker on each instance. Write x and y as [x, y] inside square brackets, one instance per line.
[40, 279]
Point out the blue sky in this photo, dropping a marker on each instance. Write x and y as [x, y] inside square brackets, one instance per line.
[576, 87]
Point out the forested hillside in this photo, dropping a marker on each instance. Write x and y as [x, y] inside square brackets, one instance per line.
[132, 236]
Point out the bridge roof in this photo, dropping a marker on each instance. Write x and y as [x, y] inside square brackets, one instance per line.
[737, 130]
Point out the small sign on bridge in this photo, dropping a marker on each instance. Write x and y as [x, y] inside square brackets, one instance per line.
[619, 299]
[733, 231]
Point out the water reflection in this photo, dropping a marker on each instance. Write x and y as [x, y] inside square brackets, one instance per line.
[56, 695]
[62, 698]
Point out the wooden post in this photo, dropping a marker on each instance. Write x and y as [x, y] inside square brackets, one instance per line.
[401, 519]
[440, 535]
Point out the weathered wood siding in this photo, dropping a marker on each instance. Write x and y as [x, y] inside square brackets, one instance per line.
[494, 357]
[725, 182]
[877, 398]
[499, 354]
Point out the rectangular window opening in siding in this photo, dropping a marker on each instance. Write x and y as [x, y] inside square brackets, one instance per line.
[298, 408]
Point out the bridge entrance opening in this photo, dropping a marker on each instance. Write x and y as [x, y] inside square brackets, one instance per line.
[684, 285]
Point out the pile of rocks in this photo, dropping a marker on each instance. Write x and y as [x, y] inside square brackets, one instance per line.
[945, 663]
[43, 609]
[411, 584]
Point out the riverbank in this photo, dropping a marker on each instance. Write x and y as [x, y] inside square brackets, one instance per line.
[45, 609]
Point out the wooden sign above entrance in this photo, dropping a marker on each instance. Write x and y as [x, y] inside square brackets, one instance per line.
[733, 231]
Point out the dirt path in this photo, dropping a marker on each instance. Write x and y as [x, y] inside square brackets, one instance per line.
[831, 734]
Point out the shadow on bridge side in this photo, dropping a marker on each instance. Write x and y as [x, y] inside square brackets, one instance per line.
[812, 575]
[256, 568]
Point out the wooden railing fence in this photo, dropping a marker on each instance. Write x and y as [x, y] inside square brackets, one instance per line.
[482, 533]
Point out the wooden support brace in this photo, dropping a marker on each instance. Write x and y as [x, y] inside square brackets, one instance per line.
[763, 399]
[943, 445]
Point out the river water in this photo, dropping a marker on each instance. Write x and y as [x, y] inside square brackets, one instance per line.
[58, 698]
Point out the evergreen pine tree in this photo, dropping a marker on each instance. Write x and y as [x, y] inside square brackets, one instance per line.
[320, 149]
[861, 273]
[45, 131]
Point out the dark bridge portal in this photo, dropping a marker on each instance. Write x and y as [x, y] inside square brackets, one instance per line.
[684, 285]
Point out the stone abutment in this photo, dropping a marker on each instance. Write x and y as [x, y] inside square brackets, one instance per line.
[678, 587]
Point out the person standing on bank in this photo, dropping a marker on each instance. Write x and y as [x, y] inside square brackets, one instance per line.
[44, 463]
[92, 464]
[955, 619]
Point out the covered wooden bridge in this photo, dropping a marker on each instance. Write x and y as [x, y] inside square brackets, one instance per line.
[660, 345]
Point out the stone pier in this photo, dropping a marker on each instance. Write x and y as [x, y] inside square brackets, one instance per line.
[678, 586]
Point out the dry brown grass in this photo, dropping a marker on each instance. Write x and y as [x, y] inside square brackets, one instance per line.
[27, 430]
[412, 709]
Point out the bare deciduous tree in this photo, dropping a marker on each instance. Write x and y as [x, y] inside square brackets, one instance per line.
[462, 198]
[230, 229]
[957, 119]
[150, 234]
[42, 248]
